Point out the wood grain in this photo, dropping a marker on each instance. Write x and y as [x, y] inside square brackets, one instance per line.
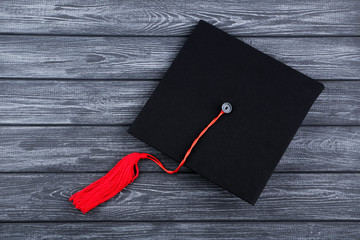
[182, 230]
[119, 102]
[185, 197]
[69, 63]
[176, 17]
[148, 58]
[97, 149]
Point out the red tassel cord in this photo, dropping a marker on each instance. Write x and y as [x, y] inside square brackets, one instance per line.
[124, 173]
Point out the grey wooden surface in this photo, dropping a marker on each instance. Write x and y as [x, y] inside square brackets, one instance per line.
[74, 74]
[74, 57]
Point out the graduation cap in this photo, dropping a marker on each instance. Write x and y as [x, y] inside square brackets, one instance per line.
[224, 109]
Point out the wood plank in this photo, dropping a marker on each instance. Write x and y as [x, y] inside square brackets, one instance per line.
[176, 17]
[119, 102]
[97, 149]
[185, 197]
[182, 230]
[149, 58]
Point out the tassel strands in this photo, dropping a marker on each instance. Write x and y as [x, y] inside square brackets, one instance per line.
[124, 173]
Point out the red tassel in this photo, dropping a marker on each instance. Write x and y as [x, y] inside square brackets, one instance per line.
[124, 173]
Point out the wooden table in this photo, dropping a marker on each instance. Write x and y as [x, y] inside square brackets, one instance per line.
[75, 73]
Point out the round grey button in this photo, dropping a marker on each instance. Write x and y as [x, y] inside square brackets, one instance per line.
[226, 107]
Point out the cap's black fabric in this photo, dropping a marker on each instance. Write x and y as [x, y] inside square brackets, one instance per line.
[239, 152]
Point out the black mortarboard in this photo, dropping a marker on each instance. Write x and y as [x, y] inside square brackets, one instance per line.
[269, 101]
